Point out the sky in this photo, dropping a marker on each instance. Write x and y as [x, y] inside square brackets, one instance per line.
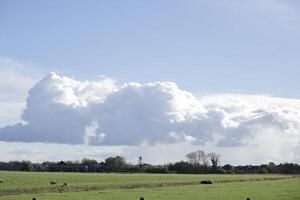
[101, 78]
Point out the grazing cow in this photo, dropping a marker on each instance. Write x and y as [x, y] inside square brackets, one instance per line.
[206, 182]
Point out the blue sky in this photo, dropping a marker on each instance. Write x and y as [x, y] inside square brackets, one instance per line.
[204, 46]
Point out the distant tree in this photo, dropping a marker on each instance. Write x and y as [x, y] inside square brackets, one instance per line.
[264, 169]
[15, 166]
[89, 162]
[198, 158]
[272, 167]
[68, 162]
[214, 158]
[228, 168]
[183, 167]
[289, 168]
[27, 166]
[115, 164]
[193, 158]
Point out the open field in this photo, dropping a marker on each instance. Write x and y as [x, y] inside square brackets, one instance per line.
[20, 185]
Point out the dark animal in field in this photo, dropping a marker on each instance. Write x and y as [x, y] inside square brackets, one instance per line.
[206, 182]
[53, 182]
[66, 184]
[1, 180]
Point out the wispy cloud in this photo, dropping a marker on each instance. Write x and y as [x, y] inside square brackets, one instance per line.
[15, 82]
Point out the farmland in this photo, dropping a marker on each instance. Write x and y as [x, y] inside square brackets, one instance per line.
[22, 185]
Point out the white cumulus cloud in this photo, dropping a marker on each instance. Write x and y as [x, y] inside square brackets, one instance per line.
[63, 110]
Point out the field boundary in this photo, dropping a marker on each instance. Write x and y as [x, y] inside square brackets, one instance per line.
[82, 188]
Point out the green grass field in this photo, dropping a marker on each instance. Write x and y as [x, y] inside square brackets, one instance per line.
[20, 185]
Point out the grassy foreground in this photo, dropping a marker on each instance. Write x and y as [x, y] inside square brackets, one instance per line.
[24, 186]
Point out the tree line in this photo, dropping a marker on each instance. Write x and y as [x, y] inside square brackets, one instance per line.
[197, 162]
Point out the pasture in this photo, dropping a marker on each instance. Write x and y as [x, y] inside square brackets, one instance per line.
[92, 186]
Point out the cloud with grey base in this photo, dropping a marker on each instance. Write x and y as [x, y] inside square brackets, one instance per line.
[62, 110]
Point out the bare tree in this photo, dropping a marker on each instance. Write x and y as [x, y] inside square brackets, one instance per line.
[214, 158]
[203, 159]
[193, 158]
[197, 158]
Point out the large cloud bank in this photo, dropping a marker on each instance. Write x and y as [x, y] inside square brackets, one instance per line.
[63, 110]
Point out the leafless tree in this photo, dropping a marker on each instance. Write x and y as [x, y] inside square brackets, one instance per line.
[197, 158]
[214, 158]
[193, 158]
